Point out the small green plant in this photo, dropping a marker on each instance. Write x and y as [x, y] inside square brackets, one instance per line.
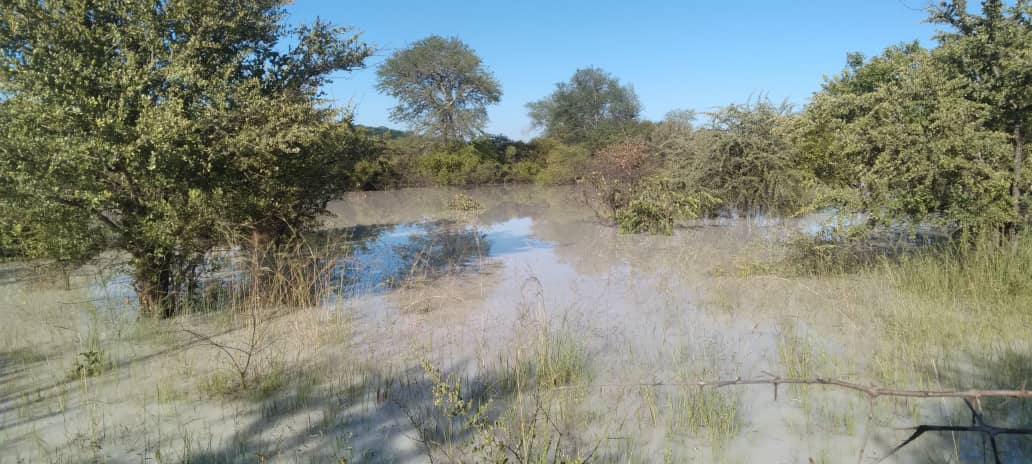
[560, 359]
[90, 363]
[716, 413]
[521, 433]
[464, 203]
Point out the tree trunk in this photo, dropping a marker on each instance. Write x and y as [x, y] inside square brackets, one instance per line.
[1019, 162]
[153, 283]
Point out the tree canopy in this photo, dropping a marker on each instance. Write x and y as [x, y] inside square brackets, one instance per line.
[587, 108]
[898, 139]
[442, 86]
[991, 52]
[162, 121]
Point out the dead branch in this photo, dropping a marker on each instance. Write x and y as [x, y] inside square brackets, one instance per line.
[972, 398]
[870, 391]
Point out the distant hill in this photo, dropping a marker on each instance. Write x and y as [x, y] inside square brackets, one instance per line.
[384, 132]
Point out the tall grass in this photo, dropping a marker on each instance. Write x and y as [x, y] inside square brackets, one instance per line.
[989, 273]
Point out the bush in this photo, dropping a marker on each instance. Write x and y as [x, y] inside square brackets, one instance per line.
[374, 174]
[462, 166]
[742, 156]
[449, 167]
[523, 171]
[90, 363]
[654, 206]
[565, 164]
[10, 246]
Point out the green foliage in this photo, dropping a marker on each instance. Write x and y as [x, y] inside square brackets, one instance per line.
[89, 364]
[674, 137]
[918, 137]
[591, 108]
[442, 86]
[742, 157]
[816, 133]
[990, 53]
[463, 166]
[414, 160]
[655, 205]
[564, 164]
[915, 150]
[472, 429]
[524, 171]
[987, 271]
[160, 120]
[10, 246]
[373, 174]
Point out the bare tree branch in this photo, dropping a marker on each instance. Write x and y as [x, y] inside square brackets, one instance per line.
[972, 398]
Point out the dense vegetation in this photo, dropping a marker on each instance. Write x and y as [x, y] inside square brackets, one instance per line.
[186, 123]
[153, 126]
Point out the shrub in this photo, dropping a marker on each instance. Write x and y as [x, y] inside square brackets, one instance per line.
[741, 156]
[90, 363]
[374, 174]
[565, 164]
[449, 167]
[655, 205]
[523, 171]
[462, 165]
[627, 161]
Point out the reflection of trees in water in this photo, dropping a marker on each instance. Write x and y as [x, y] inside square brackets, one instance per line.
[560, 217]
[593, 248]
[385, 256]
[443, 247]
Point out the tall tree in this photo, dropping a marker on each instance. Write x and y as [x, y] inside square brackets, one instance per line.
[161, 119]
[587, 107]
[909, 149]
[992, 51]
[442, 86]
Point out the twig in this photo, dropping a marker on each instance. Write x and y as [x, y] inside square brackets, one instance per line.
[870, 391]
[977, 425]
[867, 431]
[972, 398]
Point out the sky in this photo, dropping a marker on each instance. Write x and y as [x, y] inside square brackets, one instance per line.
[676, 54]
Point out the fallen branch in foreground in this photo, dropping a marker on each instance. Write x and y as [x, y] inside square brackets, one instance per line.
[972, 398]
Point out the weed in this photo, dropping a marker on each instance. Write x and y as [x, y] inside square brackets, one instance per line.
[90, 363]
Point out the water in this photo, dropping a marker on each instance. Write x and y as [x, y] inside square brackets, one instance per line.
[469, 292]
[647, 308]
[539, 256]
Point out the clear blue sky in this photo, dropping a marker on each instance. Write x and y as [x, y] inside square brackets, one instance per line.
[677, 54]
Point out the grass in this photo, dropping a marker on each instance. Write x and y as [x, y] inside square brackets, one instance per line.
[541, 376]
[989, 273]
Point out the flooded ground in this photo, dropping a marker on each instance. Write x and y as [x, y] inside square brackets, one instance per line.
[616, 331]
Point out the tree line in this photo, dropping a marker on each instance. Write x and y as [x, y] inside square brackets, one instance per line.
[169, 128]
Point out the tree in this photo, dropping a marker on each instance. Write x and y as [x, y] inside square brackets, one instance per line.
[817, 134]
[991, 51]
[442, 87]
[591, 106]
[913, 150]
[162, 120]
[742, 157]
